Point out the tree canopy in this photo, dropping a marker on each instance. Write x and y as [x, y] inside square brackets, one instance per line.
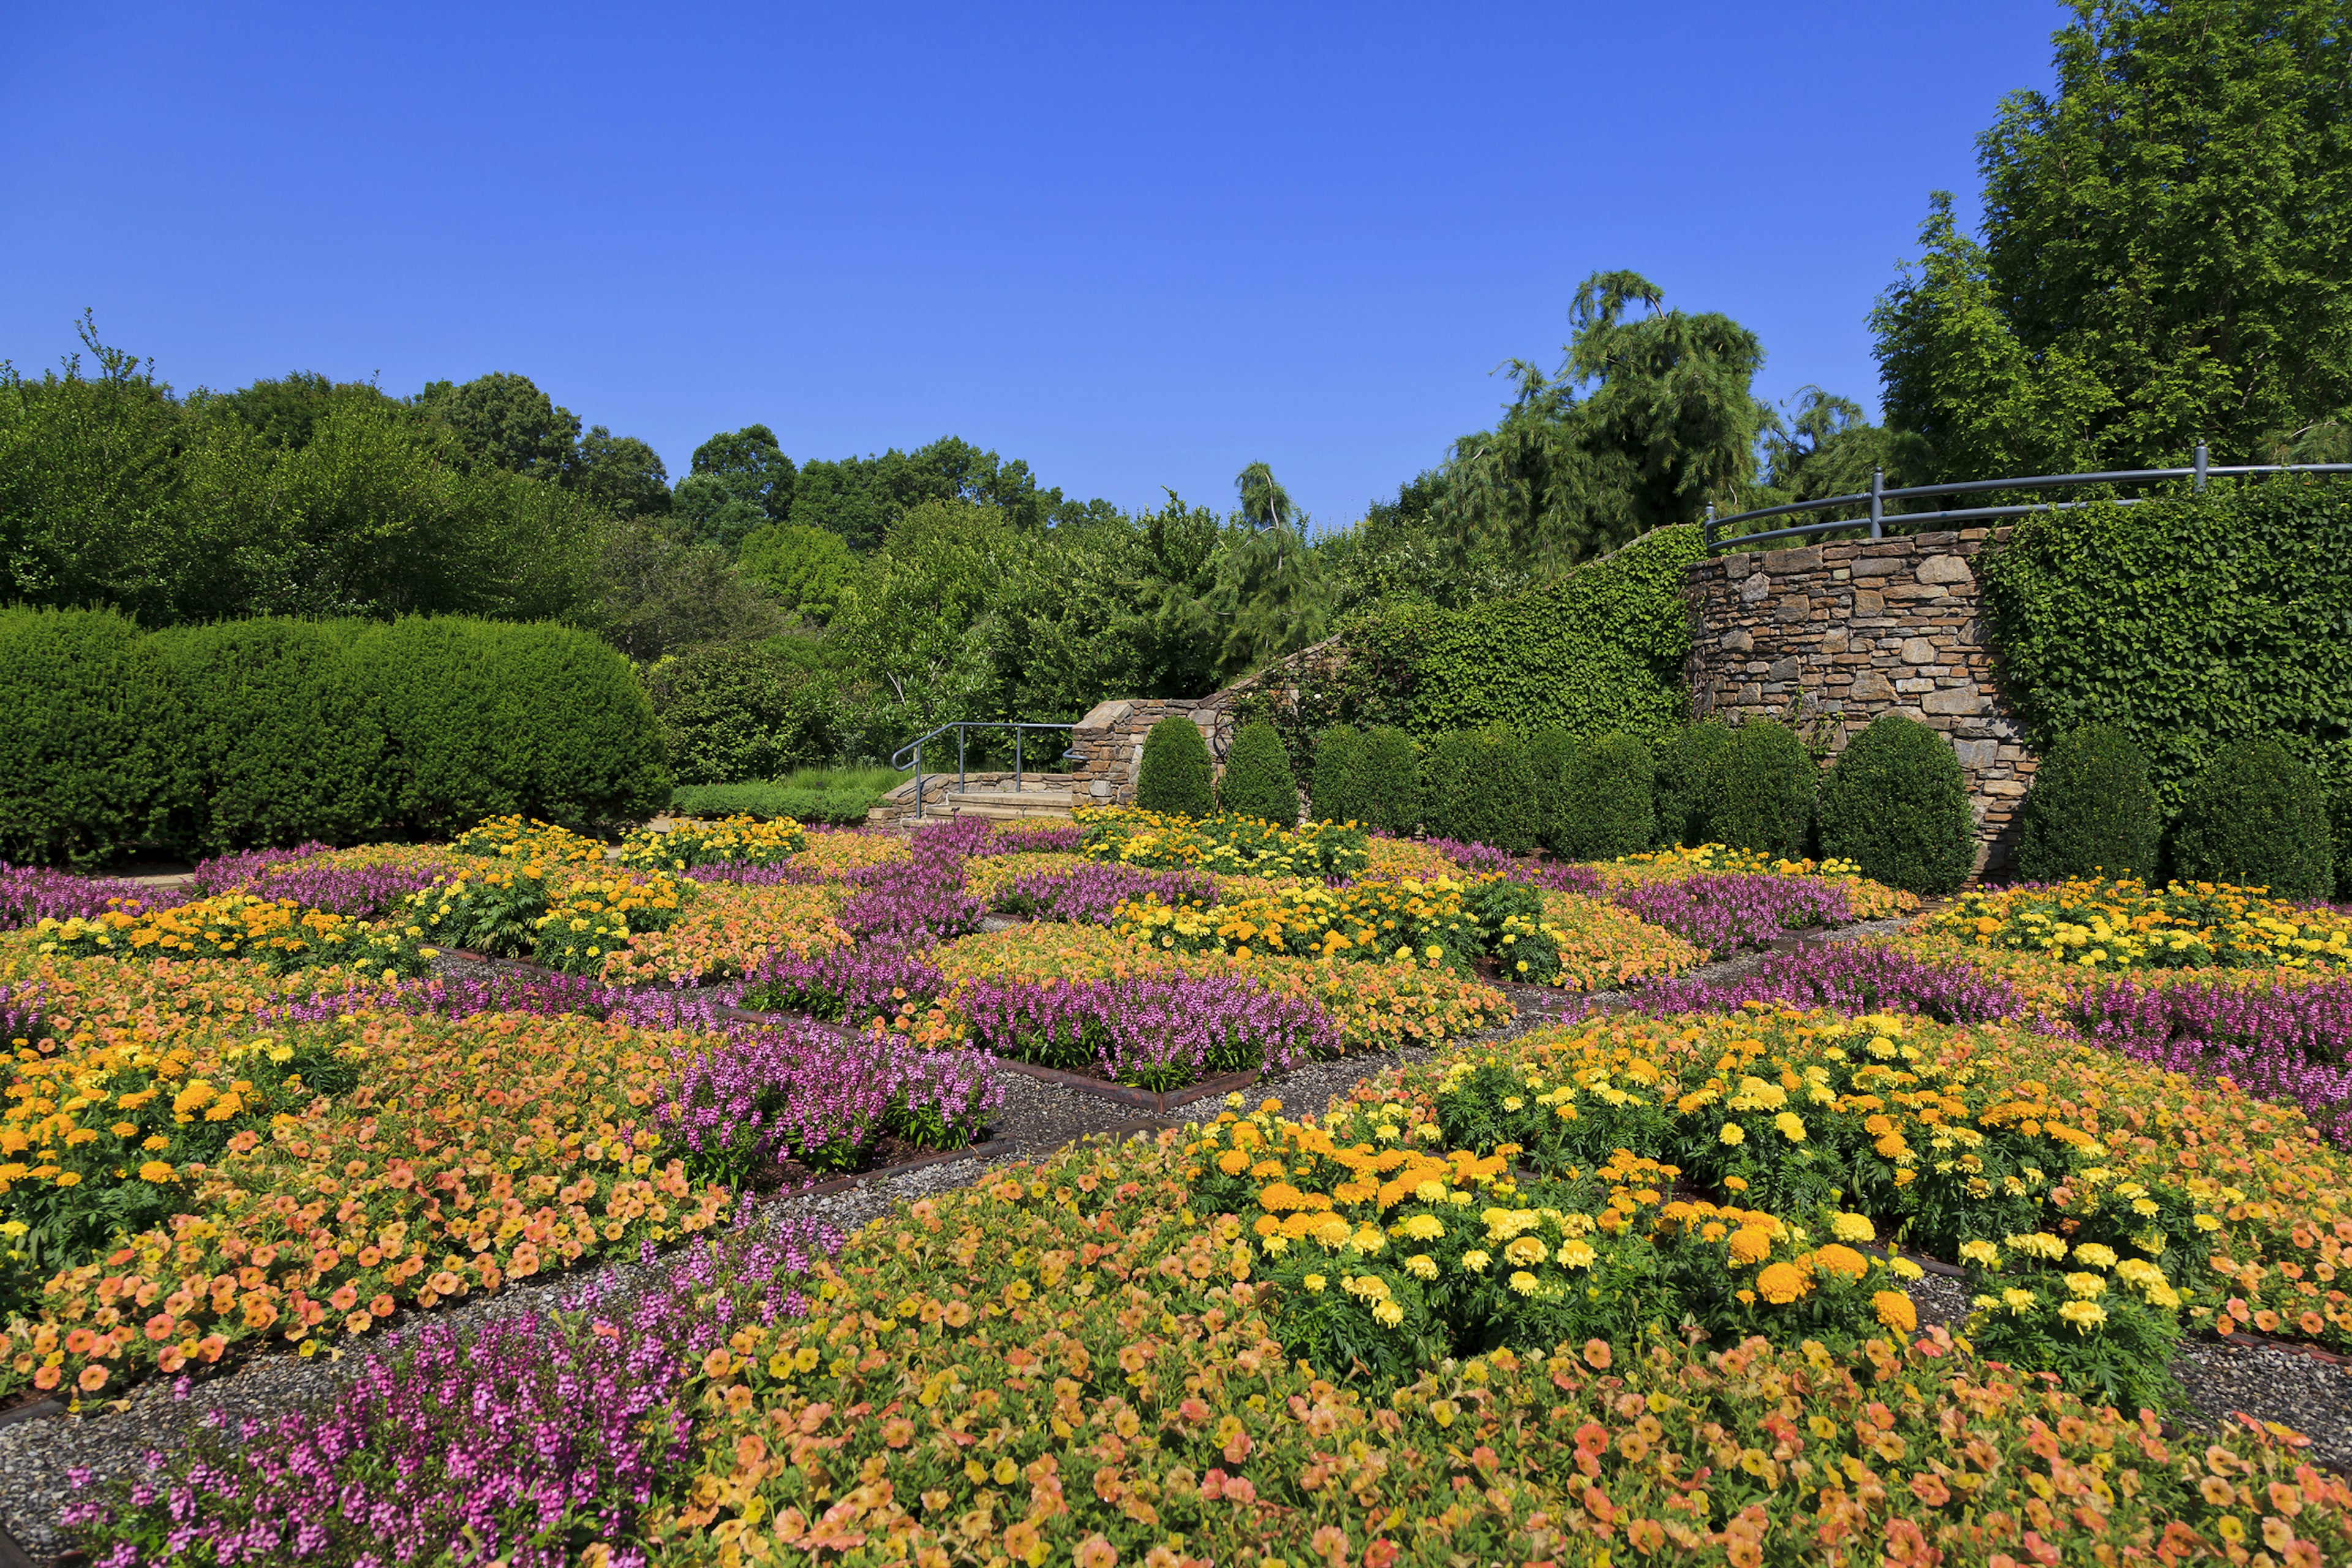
[2164, 255]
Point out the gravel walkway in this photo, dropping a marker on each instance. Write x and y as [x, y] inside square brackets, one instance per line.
[38, 1454]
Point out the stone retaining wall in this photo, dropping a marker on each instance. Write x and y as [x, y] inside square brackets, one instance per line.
[1831, 636]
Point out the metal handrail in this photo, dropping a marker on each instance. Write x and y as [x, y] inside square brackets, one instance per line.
[914, 748]
[1878, 494]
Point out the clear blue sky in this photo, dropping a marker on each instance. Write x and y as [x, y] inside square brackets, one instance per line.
[1136, 245]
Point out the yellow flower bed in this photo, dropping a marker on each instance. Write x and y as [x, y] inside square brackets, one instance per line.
[985, 876]
[514, 838]
[2125, 924]
[277, 933]
[1603, 946]
[691, 841]
[1394, 859]
[1867, 900]
[1379, 920]
[1230, 846]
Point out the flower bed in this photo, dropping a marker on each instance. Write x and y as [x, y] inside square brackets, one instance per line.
[1228, 846]
[1726, 911]
[730, 931]
[692, 841]
[1602, 947]
[1067, 888]
[1154, 1031]
[29, 894]
[277, 933]
[1363, 920]
[461, 1153]
[2126, 925]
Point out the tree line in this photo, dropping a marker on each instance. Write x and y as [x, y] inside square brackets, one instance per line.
[2162, 261]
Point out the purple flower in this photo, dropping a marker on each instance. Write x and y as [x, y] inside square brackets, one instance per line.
[1726, 911]
[519, 1438]
[852, 983]
[30, 894]
[1160, 1032]
[1852, 977]
[1552, 875]
[2287, 1043]
[1092, 893]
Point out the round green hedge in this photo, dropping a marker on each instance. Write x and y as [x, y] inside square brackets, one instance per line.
[1257, 781]
[91, 758]
[1388, 798]
[1335, 787]
[1479, 788]
[1174, 774]
[1606, 800]
[286, 740]
[2092, 810]
[1896, 804]
[1685, 765]
[2256, 816]
[1759, 792]
[739, 712]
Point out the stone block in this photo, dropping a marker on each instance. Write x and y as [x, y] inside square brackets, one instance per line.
[1919, 650]
[1913, 592]
[1878, 565]
[1833, 642]
[1781, 563]
[1913, 683]
[1755, 588]
[1957, 700]
[1782, 669]
[1736, 640]
[1977, 755]
[1870, 685]
[1793, 607]
[1945, 569]
[1866, 603]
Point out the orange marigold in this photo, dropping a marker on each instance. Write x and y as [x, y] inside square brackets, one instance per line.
[1895, 1311]
[1781, 1283]
[1750, 1243]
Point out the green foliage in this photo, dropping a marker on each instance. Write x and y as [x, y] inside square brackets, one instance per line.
[504, 421]
[806, 568]
[1257, 781]
[2162, 259]
[2186, 622]
[2257, 817]
[741, 481]
[1760, 793]
[1667, 423]
[2339, 824]
[844, 805]
[1606, 800]
[1480, 788]
[1896, 804]
[1551, 753]
[311, 500]
[283, 735]
[2091, 810]
[741, 712]
[661, 596]
[1337, 785]
[1601, 649]
[92, 761]
[489, 720]
[1174, 774]
[1389, 799]
[1686, 764]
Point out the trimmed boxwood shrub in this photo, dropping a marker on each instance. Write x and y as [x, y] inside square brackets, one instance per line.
[485, 718]
[1605, 800]
[1479, 788]
[1337, 786]
[285, 740]
[2255, 816]
[1760, 793]
[1388, 791]
[92, 761]
[1174, 774]
[1686, 764]
[1550, 752]
[739, 712]
[1896, 804]
[1257, 781]
[2092, 809]
[2340, 818]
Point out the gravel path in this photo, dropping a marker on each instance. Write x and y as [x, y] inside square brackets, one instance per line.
[36, 1455]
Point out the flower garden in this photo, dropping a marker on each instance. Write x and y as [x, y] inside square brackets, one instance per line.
[1643, 1283]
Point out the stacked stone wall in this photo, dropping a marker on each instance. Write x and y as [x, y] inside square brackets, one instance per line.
[1831, 636]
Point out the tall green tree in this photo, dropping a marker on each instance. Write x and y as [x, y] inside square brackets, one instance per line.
[504, 421]
[1649, 419]
[740, 480]
[620, 475]
[2165, 252]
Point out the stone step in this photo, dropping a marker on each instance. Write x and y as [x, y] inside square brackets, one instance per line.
[1002, 803]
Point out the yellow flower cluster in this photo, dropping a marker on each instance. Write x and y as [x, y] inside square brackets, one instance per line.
[1411, 922]
[2124, 924]
[693, 841]
[277, 933]
[1227, 846]
[514, 838]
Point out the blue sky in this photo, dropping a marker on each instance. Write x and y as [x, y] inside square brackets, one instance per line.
[1136, 245]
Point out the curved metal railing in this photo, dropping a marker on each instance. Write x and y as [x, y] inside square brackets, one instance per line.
[911, 753]
[1877, 518]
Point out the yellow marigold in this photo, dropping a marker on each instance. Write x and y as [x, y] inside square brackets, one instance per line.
[1853, 1227]
[1732, 1134]
[1792, 1126]
[156, 1171]
[1781, 1283]
[1845, 1260]
[1750, 1243]
[1894, 1310]
[2085, 1315]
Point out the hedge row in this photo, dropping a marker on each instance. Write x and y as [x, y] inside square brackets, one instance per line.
[271, 731]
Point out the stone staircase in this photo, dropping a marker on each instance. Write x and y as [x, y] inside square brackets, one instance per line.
[1001, 805]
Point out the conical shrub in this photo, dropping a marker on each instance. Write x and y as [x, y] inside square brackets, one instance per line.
[2092, 810]
[1337, 786]
[1257, 781]
[1389, 791]
[1174, 774]
[1759, 792]
[2256, 816]
[1896, 804]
